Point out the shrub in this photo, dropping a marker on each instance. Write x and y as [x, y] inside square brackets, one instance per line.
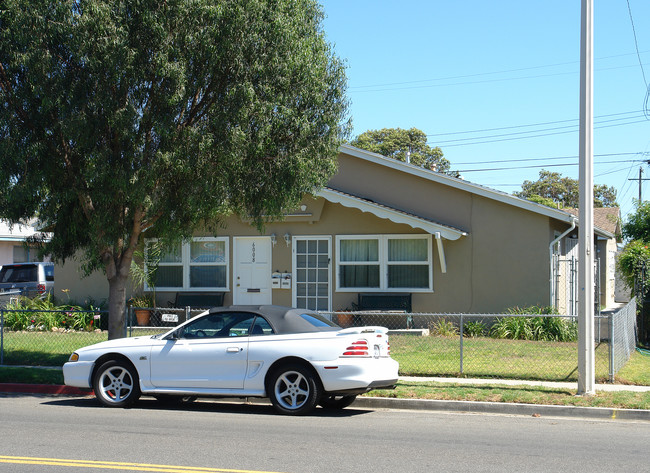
[474, 329]
[443, 328]
[558, 329]
[42, 314]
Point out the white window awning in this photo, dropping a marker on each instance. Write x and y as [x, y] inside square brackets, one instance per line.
[439, 230]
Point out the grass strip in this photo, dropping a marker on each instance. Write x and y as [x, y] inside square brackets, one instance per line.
[514, 394]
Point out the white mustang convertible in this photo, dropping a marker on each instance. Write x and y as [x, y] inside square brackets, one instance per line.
[296, 358]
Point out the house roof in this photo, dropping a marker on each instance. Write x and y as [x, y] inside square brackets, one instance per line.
[470, 187]
[605, 218]
[389, 213]
[16, 232]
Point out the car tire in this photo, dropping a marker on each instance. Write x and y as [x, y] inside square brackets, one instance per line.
[293, 389]
[116, 384]
[336, 402]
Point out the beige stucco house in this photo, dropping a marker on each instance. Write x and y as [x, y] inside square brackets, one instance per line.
[13, 243]
[379, 226]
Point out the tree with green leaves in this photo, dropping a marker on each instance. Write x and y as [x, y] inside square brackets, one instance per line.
[552, 189]
[403, 145]
[123, 117]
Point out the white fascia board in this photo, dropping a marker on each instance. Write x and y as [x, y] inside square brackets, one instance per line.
[384, 212]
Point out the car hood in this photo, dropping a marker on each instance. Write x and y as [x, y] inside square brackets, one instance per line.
[128, 342]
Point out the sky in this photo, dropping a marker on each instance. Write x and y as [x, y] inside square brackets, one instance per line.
[496, 84]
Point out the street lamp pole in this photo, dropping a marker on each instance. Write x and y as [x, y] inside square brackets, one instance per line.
[586, 357]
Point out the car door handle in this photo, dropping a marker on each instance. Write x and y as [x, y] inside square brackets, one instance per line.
[234, 350]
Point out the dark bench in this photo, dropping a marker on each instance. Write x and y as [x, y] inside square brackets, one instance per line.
[199, 300]
[386, 309]
[385, 301]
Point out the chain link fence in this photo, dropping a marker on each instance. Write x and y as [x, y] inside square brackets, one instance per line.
[521, 346]
[510, 346]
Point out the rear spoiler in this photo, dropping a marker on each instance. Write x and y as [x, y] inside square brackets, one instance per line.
[360, 330]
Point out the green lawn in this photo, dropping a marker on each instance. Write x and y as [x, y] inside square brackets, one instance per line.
[492, 358]
[417, 356]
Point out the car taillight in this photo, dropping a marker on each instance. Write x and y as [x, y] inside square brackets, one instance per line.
[41, 288]
[358, 348]
[388, 349]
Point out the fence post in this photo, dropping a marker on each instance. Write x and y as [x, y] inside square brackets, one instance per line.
[461, 344]
[188, 312]
[128, 329]
[611, 346]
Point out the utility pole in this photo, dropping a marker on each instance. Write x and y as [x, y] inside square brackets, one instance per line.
[586, 355]
[640, 179]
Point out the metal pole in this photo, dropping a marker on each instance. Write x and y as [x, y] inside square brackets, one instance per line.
[2, 337]
[611, 346]
[586, 359]
[461, 343]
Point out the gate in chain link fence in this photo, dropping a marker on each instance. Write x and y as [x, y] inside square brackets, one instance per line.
[423, 344]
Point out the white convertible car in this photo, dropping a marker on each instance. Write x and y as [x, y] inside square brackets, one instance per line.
[296, 358]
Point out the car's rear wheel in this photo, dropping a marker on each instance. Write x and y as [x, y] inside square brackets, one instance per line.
[116, 384]
[293, 389]
[336, 402]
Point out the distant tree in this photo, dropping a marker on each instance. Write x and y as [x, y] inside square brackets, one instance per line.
[637, 226]
[397, 143]
[120, 117]
[564, 191]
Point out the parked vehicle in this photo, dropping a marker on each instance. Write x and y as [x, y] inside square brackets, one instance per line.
[27, 279]
[296, 358]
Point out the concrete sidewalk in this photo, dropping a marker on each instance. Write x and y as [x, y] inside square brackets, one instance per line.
[517, 382]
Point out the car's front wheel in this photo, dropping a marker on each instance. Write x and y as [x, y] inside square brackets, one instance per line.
[116, 384]
[336, 402]
[293, 389]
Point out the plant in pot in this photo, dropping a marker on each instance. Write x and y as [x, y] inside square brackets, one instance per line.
[142, 305]
[143, 271]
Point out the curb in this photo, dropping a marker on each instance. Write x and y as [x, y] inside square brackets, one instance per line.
[533, 410]
[60, 390]
[474, 407]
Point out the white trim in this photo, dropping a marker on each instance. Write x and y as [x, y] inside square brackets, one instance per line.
[390, 214]
[187, 264]
[441, 253]
[383, 262]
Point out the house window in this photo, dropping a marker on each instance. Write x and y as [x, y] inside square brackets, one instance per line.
[384, 262]
[200, 264]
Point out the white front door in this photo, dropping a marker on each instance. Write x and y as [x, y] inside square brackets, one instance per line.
[252, 271]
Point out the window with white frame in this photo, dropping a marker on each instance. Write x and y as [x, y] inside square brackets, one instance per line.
[384, 262]
[200, 264]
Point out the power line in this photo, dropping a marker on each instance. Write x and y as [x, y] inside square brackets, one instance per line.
[466, 76]
[545, 166]
[532, 124]
[530, 136]
[533, 131]
[646, 110]
[640, 153]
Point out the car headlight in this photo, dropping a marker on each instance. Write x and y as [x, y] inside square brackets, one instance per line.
[74, 357]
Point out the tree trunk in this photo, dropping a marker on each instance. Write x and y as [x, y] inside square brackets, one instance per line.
[116, 306]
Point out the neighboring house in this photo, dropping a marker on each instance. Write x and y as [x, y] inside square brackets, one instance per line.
[380, 226]
[13, 243]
